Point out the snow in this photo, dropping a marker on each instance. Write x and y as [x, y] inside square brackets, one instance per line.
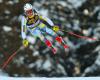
[7, 11]
[85, 32]
[97, 49]
[62, 3]
[44, 78]
[61, 69]
[10, 2]
[98, 59]
[39, 63]
[31, 65]
[99, 16]
[1, 1]
[76, 3]
[37, 5]
[86, 12]
[15, 1]
[2, 73]
[47, 65]
[19, 61]
[36, 53]
[44, 12]
[7, 28]
[76, 25]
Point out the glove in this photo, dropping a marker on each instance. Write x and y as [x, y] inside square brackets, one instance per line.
[25, 43]
[56, 28]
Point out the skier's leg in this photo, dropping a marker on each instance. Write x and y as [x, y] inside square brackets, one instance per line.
[49, 44]
[61, 41]
[56, 37]
[39, 34]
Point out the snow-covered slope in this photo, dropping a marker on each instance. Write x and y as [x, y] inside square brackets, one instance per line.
[44, 78]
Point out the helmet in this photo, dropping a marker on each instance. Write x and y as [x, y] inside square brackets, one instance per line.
[28, 9]
[27, 6]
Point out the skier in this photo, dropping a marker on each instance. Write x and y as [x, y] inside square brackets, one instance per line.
[38, 25]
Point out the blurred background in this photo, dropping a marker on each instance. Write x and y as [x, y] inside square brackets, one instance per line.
[81, 59]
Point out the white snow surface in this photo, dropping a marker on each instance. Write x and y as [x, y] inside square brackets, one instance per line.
[47, 65]
[76, 3]
[7, 28]
[44, 78]
[1, 1]
[44, 12]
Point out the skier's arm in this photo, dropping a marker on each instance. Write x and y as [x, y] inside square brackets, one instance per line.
[24, 31]
[23, 28]
[49, 23]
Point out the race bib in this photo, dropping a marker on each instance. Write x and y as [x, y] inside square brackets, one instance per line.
[32, 20]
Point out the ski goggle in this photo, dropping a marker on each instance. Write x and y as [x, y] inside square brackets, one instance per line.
[29, 12]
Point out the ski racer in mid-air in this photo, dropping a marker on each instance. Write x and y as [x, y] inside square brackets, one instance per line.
[38, 25]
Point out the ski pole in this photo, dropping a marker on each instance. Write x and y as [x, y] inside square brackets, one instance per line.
[56, 28]
[10, 58]
[84, 37]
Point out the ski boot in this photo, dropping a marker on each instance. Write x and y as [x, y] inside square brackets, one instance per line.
[49, 44]
[60, 40]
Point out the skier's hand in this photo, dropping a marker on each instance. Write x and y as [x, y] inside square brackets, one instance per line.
[56, 28]
[25, 43]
